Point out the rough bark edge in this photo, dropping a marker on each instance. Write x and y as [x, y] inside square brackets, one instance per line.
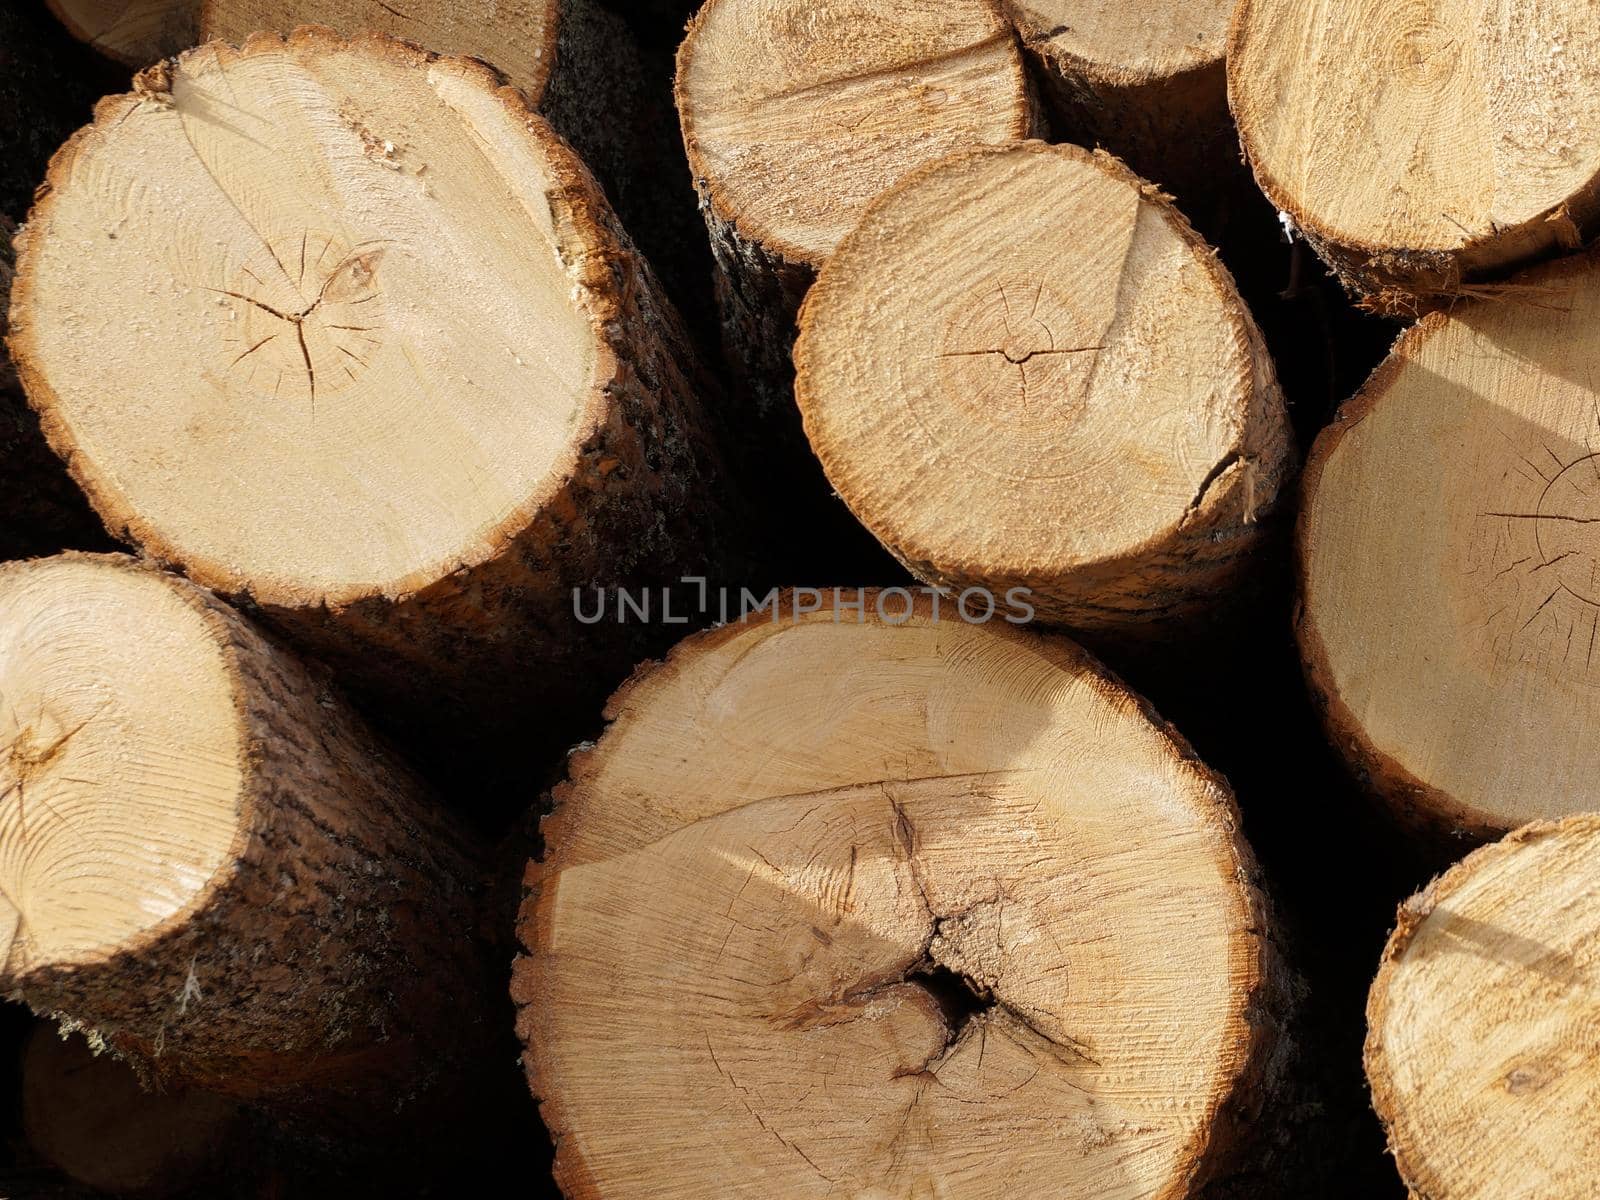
[1225, 1143]
[1432, 817]
[1409, 918]
[1212, 550]
[124, 1000]
[602, 98]
[1406, 282]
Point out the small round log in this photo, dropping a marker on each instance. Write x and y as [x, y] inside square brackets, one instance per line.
[1067, 396]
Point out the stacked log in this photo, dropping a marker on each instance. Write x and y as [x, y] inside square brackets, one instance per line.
[1088, 418]
[1418, 147]
[860, 902]
[1481, 1022]
[1145, 81]
[372, 356]
[1448, 608]
[210, 867]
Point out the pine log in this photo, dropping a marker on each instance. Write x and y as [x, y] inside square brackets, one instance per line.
[1421, 149]
[1145, 81]
[89, 1116]
[1067, 396]
[207, 865]
[1448, 564]
[861, 904]
[796, 115]
[1481, 1023]
[378, 360]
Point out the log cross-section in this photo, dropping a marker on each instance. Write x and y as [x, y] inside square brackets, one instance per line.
[845, 907]
[207, 865]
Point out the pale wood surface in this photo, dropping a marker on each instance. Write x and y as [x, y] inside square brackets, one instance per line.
[1420, 145]
[516, 37]
[1024, 369]
[787, 827]
[1482, 1022]
[1448, 565]
[795, 116]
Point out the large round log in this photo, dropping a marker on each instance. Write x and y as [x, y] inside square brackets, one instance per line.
[1448, 562]
[1422, 148]
[1067, 397]
[872, 903]
[342, 329]
[207, 865]
[1481, 1024]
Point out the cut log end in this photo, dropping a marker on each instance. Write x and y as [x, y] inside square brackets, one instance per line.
[1480, 1024]
[120, 753]
[795, 117]
[1448, 558]
[857, 907]
[337, 306]
[1463, 165]
[1072, 398]
[87, 1114]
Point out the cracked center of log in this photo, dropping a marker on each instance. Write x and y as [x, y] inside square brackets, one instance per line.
[350, 345]
[863, 909]
[1019, 352]
[314, 325]
[118, 745]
